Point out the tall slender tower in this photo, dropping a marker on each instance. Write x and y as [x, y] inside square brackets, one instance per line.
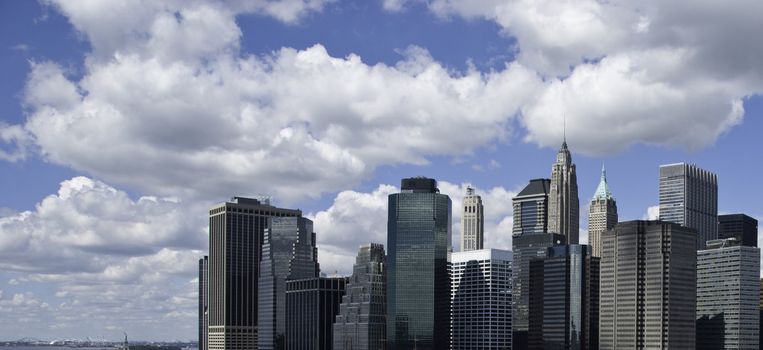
[563, 202]
[203, 302]
[602, 214]
[472, 222]
[689, 197]
[418, 278]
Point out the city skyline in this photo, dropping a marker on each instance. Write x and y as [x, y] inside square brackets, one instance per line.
[120, 126]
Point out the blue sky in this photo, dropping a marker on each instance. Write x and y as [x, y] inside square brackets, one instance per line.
[123, 121]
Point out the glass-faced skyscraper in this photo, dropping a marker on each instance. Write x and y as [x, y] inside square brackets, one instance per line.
[602, 214]
[648, 280]
[741, 227]
[362, 320]
[311, 307]
[564, 299]
[418, 282]
[481, 303]
[288, 253]
[689, 197]
[530, 240]
[235, 240]
[563, 202]
[728, 293]
[472, 222]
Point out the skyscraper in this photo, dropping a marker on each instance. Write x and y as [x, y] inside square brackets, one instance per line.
[481, 299]
[288, 253]
[648, 286]
[235, 240]
[563, 202]
[728, 293]
[602, 214]
[530, 240]
[472, 222]
[362, 322]
[418, 280]
[564, 299]
[689, 197]
[739, 226]
[203, 302]
[311, 306]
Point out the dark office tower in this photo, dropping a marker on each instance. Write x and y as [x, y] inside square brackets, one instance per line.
[740, 227]
[362, 318]
[530, 240]
[418, 281]
[288, 253]
[728, 293]
[311, 306]
[689, 197]
[472, 222]
[203, 295]
[563, 202]
[602, 214]
[648, 294]
[235, 241]
[564, 299]
[481, 301]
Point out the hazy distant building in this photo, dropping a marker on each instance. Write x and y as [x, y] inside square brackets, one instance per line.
[564, 299]
[602, 214]
[472, 222]
[418, 280]
[481, 299]
[288, 253]
[203, 291]
[311, 306]
[563, 202]
[689, 197]
[235, 242]
[648, 286]
[728, 295]
[739, 226]
[362, 322]
[530, 240]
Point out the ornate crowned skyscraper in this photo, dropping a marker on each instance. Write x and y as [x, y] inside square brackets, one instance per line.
[602, 214]
[563, 202]
[472, 222]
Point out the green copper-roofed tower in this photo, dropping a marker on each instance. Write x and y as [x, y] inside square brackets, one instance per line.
[602, 214]
[418, 284]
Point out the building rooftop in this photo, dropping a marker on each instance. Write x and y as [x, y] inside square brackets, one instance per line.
[536, 187]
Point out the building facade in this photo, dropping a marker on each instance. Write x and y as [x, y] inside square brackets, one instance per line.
[288, 253]
[740, 227]
[235, 245]
[530, 240]
[481, 300]
[311, 306]
[472, 222]
[362, 321]
[564, 299]
[648, 286]
[689, 197]
[728, 293]
[418, 280]
[203, 291]
[602, 214]
[563, 201]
